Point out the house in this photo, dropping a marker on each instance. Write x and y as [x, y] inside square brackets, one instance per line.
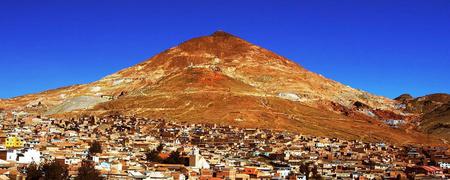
[242, 177]
[24, 157]
[14, 142]
[198, 161]
[251, 171]
[3, 138]
[226, 173]
[5, 165]
[444, 165]
[137, 175]
[427, 170]
[156, 175]
[72, 161]
[297, 177]
[283, 172]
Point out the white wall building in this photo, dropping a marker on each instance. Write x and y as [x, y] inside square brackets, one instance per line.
[198, 161]
[26, 157]
[444, 165]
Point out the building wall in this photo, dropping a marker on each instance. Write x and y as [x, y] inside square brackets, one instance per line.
[14, 142]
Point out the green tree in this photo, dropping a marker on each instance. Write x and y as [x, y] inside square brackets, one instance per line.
[87, 171]
[96, 147]
[55, 171]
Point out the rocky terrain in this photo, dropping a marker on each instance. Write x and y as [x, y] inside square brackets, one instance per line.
[224, 79]
[434, 111]
[437, 122]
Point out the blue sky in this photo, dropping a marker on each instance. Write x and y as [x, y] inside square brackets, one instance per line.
[385, 47]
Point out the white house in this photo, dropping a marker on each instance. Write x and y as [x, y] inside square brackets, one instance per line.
[72, 161]
[444, 165]
[27, 157]
[283, 172]
[198, 161]
[157, 175]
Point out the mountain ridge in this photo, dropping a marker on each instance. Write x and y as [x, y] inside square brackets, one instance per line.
[434, 112]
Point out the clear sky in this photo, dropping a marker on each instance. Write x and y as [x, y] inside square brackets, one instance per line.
[386, 47]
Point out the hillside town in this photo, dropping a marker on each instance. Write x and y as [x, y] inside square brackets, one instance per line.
[141, 148]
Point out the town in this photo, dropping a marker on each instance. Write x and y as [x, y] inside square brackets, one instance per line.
[121, 147]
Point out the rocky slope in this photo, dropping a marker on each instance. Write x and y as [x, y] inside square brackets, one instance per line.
[437, 122]
[224, 79]
[434, 111]
[423, 104]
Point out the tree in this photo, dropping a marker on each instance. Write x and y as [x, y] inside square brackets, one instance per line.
[411, 175]
[174, 158]
[153, 155]
[53, 170]
[87, 171]
[96, 147]
[304, 168]
[33, 172]
[315, 172]
[160, 148]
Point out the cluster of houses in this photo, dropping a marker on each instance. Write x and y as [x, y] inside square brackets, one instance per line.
[208, 151]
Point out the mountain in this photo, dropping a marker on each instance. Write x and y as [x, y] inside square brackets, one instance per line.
[437, 122]
[404, 98]
[224, 79]
[434, 111]
[423, 104]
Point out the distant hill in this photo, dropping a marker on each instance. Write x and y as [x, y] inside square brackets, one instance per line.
[434, 110]
[437, 122]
